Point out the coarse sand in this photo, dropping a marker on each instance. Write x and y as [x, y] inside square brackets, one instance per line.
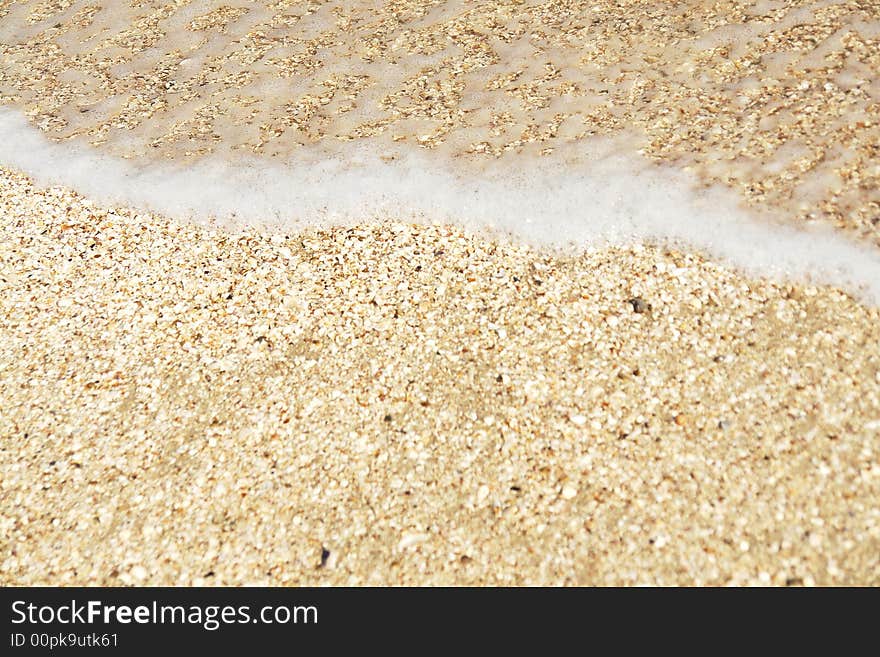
[402, 404]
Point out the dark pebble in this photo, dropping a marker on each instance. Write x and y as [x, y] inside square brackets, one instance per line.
[639, 305]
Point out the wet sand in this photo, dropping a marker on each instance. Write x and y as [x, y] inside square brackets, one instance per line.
[777, 99]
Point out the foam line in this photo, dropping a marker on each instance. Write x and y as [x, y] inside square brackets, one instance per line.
[609, 198]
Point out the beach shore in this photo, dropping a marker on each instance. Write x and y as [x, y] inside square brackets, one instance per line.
[389, 402]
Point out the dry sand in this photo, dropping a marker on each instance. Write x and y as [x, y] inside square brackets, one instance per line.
[394, 403]
[183, 406]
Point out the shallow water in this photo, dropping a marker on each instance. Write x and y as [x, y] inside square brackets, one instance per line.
[536, 119]
[605, 197]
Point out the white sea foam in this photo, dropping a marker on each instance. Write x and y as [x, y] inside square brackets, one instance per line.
[600, 198]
